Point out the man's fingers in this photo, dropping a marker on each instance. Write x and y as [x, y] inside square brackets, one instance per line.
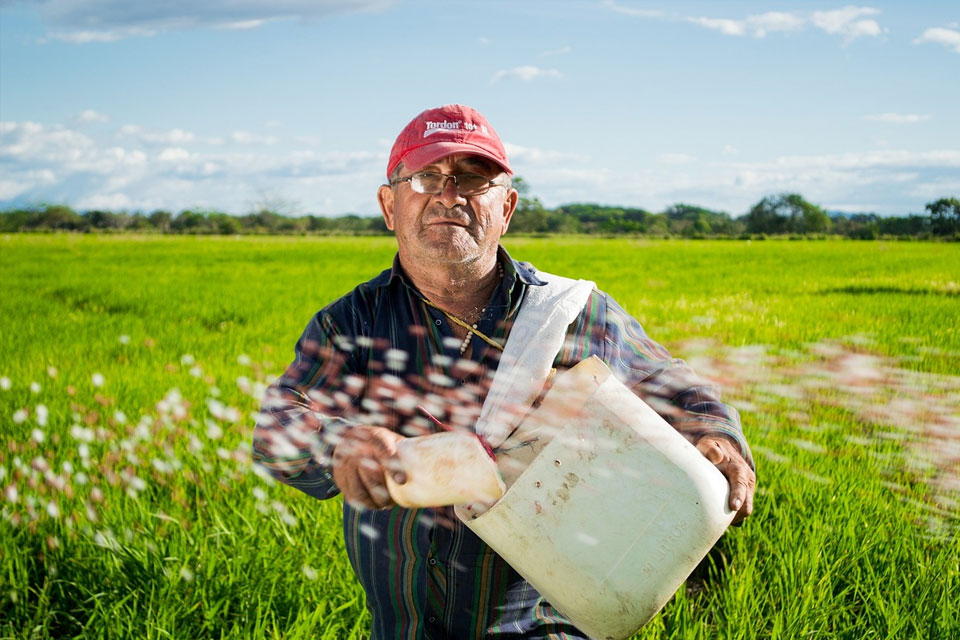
[711, 450]
[371, 476]
[742, 484]
[392, 465]
[361, 460]
[722, 453]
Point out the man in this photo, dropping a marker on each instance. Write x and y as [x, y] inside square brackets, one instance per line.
[417, 346]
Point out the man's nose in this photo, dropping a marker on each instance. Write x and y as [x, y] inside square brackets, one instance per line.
[450, 195]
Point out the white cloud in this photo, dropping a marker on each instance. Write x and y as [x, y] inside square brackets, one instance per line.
[757, 25]
[24, 181]
[45, 163]
[893, 178]
[723, 25]
[847, 22]
[898, 118]
[53, 163]
[171, 137]
[90, 115]
[531, 155]
[241, 25]
[946, 37]
[772, 21]
[245, 137]
[676, 158]
[873, 159]
[85, 36]
[525, 73]
[173, 154]
[34, 142]
[630, 11]
[556, 52]
[730, 150]
[107, 201]
[85, 21]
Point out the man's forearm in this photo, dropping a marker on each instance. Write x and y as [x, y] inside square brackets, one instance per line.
[294, 441]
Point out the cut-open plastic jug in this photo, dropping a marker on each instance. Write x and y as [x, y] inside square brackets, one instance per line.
[608, 509]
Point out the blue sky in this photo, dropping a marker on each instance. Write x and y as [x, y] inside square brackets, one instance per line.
[235, 104]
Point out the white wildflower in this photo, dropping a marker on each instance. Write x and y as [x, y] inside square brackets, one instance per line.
[19, 416]
[52, 372]
[244, 360]
[41, 413]
[124, 339]
[187, 360]
[309, 572]
[35, 387]
[4, 383]
[38, 435]
[97, 380]
[214, 432]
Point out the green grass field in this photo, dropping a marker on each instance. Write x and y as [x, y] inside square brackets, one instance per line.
[131, 368]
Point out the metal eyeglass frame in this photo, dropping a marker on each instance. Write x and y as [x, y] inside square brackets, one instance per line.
[443, 185]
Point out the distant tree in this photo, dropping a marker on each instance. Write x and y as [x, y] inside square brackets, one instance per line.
[944, 216]
[223, 223]
[160, 220]
[107, 220]
[139, 222]
[530, 215]
[262, 221]
[786, 213]
[912, 225]
[58, 217]
[687, 219]
[189, 221]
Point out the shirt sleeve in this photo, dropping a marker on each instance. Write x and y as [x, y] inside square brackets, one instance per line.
[689, 403]
[300, 417]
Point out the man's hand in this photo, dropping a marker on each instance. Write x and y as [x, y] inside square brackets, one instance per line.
[361, 460]
[723, 453]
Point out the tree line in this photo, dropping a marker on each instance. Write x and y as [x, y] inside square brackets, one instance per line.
[780, 214]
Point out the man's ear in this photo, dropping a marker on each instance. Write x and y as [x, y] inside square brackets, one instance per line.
[509, 206]
[385, 198]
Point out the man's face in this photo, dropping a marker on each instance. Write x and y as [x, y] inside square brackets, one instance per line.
[447, 227]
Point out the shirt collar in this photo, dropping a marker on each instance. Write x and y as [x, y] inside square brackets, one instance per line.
[522, 271]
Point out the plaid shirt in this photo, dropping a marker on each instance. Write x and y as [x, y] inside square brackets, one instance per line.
[371, 357]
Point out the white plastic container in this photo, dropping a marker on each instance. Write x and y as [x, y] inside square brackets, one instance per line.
[444, 469]
[614, 510]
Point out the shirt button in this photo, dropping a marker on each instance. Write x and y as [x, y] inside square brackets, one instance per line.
[437, 321]
[432, 619]
[432, 561]
[463, 381]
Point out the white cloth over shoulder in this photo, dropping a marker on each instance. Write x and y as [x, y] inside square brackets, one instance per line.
[534, 341]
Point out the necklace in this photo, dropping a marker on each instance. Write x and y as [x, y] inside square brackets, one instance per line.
[471, 328]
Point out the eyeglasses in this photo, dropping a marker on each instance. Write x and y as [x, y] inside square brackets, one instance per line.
[431, 182]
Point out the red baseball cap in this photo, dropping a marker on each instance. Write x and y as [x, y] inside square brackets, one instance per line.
[440, 132]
